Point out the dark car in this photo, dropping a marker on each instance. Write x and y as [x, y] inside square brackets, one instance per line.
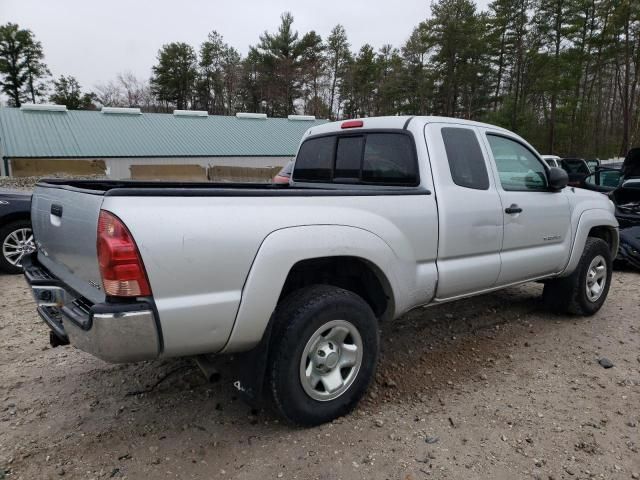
[577, 169]
[605, 179]
[16, 238]
[630, 246]
[621, 182]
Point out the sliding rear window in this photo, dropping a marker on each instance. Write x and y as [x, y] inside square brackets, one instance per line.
[348, 158]
[374, 158]
[314, 162]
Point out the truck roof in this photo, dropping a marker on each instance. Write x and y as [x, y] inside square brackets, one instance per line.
[397, 122]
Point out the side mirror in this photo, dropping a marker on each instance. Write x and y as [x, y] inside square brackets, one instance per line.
[558, 179]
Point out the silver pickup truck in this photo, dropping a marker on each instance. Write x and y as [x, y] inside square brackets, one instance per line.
[381, 215]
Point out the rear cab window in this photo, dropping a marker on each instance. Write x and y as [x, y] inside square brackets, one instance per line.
[314, 162]
[367, 158]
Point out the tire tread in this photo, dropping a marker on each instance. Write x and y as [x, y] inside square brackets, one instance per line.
[286, 332]
[565, 295]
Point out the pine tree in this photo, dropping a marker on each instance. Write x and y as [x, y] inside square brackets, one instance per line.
[67, 91]
[313, 69]
[417, 78]
[456, 39]
[174, 76]
[211, 78]
[338, 56]
[22, 68]
[280, 57]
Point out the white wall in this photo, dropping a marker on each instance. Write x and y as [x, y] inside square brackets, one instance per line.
[118, 168]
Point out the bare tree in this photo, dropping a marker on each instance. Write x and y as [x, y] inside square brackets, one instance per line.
[134, 88]
[109, 94]
[126, 90]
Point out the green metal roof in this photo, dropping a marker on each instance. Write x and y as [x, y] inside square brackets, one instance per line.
[25, 133]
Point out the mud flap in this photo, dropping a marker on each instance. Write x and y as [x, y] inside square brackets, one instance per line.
[249, 371]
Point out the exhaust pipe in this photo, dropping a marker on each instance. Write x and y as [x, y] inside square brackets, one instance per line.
[210, 372]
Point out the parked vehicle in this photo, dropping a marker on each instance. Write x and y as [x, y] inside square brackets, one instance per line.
[621, 183]
[382, 215]
[604, 179]
[284, 175]
[630, 246]
[593, 164]
[577, 169]
[552, 160]
[626, 198]
[16, 238]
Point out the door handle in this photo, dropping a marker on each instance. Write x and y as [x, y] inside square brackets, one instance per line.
[56, 210]
[513, 209]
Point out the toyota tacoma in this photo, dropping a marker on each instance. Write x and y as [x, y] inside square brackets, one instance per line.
[381, 215]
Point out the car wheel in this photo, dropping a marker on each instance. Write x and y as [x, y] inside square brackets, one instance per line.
[324, 353]
[16, 240]
[585, 290]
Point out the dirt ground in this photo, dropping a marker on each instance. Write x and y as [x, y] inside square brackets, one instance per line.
[487, 388]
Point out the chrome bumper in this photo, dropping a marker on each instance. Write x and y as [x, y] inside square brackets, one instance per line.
[115, 333]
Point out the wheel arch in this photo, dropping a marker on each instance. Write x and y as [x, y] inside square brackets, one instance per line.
[598, 223]
[291, 258]
[608, 234]
[356, 274]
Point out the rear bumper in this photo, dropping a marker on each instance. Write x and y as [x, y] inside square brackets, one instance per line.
[113, 332]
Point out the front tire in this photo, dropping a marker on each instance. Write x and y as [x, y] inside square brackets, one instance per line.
[586, 289]
[16, 241]
[324, 354]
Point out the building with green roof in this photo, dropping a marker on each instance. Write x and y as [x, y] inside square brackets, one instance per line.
[119, 139]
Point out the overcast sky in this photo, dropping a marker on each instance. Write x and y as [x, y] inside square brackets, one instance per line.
[96, 40]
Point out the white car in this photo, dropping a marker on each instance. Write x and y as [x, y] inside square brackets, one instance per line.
[381, 215]
[552, 160]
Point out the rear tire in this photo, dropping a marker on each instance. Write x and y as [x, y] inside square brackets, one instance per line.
[323, 354]
[586, 289]
[13, 246]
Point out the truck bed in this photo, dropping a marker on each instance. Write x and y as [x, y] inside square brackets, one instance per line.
[198, 242]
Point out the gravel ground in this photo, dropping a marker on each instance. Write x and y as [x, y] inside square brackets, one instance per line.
[491, 387]
[28, 183]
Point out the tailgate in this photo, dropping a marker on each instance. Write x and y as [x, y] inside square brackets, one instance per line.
[65, 222]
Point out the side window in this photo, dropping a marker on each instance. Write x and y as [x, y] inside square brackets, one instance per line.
[519, 169]
[314, 162]
[389, 158]
[348, 157]
[466, 161]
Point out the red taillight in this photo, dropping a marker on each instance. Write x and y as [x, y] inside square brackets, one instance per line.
[121, 267]
[352, 124]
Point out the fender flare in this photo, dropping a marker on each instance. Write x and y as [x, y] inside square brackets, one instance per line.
[277, 255]
[589, 219]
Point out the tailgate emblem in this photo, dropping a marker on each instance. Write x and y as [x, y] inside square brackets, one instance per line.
[94, 285]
